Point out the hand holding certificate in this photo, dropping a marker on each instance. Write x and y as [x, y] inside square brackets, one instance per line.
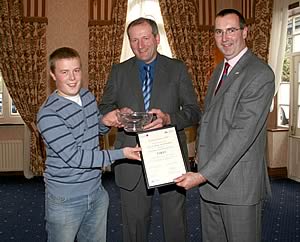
[162, 157]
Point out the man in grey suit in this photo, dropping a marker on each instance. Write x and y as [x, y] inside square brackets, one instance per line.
[232, 170]
[174, 102]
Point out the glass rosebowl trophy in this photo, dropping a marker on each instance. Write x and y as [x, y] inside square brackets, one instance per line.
[135, 121]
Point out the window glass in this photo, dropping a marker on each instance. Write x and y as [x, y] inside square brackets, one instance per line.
[283, 117]
[297, 24]
[8, 112]
[283, 103]
[13, 109]
[296, 43]
[289, 44]
[282, 97]
[299, 94]
[286, 70]
[290, 27]
[298, 125]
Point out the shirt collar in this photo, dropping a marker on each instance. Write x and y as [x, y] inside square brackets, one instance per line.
[141, 64]
[232, 62]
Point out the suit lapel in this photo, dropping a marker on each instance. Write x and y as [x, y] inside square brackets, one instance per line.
[159, 82]
[230, 79]
[212, 85]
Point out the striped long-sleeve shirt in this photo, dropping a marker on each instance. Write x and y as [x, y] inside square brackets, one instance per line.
[71, 134]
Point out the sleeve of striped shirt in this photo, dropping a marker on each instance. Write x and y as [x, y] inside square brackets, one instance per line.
[103, 129]
[60, 140]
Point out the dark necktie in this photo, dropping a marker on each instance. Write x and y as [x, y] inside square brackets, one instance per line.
[223, 77]
[147, 83]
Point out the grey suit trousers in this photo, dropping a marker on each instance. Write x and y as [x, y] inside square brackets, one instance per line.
[230, 223]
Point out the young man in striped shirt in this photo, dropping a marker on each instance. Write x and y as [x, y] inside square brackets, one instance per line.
[76, 203]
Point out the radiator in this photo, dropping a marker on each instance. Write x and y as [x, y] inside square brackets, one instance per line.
[11, 155]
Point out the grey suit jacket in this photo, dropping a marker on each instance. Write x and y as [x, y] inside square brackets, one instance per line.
[232, 134]
[172, 92]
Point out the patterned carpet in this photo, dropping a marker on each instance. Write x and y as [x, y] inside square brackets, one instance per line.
[22, 212]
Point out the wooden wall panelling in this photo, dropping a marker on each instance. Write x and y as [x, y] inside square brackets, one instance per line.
[208, 10]
[248, 10]
[34, 10]
[100, 12]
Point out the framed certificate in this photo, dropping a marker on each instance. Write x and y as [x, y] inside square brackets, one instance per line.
[162, 156]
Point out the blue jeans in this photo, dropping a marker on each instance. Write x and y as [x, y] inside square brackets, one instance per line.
[83, 217]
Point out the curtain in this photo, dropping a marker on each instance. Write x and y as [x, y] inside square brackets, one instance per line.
[188, 43]
[23, 67]
[259, 34]
[105, 46]
[278, 38]
[195, 45]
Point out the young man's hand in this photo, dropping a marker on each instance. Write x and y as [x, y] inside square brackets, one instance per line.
[132, 153]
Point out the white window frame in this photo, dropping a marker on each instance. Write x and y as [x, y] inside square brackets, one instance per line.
[295, 94]
[284, 93]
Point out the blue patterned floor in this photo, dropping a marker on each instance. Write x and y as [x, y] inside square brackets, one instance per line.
[22, 212]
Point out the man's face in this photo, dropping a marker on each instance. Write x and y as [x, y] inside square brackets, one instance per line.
[68, 76]
[230, 44]
[143, 43]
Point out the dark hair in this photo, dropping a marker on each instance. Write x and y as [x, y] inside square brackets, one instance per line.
[142, 20]
[62, 53]
[227, 11]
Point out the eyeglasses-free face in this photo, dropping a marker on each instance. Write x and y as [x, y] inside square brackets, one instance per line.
[143, 43]
[68, 76]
